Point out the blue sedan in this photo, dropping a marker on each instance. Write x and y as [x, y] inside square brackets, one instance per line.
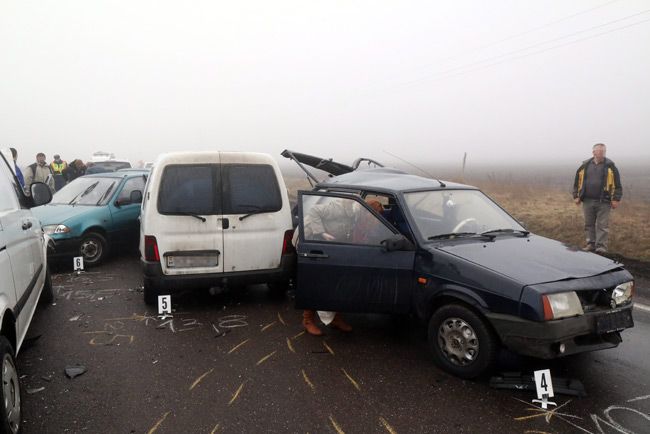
[92, 214]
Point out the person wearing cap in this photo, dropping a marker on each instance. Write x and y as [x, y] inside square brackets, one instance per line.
[58, 166]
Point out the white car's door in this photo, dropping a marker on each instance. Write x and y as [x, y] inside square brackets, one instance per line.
[257, 210]
[18, 239]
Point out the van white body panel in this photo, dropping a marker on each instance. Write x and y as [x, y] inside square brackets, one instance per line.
[250, 244]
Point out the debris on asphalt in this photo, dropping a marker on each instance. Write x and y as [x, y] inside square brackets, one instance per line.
[47, 378]
[75, 371]
[220, 333]
[76, 317]
[519, 381]
[35, 390]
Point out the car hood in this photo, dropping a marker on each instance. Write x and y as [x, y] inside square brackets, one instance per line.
[531, 260]
[57, 214]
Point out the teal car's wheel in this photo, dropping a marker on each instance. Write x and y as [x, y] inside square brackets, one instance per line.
[93, 248]
[10, 413]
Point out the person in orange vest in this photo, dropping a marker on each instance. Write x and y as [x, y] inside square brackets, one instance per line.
[58, 166]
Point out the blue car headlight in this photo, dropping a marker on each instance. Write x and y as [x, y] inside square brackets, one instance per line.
[56, 229]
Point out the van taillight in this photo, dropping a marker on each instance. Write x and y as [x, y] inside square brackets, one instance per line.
[287, 245]
[151, 249]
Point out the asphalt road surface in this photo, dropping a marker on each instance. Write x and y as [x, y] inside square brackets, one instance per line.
[239, 362]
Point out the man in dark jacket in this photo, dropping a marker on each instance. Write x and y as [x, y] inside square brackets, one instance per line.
[597, 186]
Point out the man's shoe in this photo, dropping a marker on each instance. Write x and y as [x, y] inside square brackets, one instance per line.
[601, 250]
[340, 324]
[589, 248]
[309, 324]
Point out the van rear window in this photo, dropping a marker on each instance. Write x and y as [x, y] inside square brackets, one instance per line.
[190, 188]
[250, 188]
[204, 189]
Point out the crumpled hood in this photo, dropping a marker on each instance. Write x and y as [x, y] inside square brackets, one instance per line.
[57, 214]
[531, 260]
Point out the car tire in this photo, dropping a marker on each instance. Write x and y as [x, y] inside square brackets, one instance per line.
[462, 343]
[10, 410]
[93, 248]
[47, 294]
[151, 293]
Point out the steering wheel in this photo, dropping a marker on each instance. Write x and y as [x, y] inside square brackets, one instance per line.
[460, 225]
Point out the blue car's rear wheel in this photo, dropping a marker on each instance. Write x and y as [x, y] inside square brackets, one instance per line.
[93, 248]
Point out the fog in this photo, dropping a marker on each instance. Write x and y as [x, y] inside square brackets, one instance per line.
[505, 81]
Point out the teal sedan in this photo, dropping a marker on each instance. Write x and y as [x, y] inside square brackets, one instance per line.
[94, 214]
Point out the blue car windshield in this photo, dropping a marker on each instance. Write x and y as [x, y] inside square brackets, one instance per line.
[86, 191]
[442, 213]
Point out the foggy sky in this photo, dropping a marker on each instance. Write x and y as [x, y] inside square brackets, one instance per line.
[505, 81]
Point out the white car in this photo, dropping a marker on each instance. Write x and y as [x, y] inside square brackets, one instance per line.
[215, 219]
[24, 278]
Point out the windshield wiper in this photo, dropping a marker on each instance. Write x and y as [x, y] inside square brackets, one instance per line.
[108, 190]
[257, 210]
[191, 214]
[522, 232]
[90, 188]
[453, 235]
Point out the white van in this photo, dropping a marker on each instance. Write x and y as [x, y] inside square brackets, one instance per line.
[214, 219]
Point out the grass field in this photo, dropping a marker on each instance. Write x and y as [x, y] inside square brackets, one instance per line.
[550, 211]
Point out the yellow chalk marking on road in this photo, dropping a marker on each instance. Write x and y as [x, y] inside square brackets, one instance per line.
[290, 346]
[198, 380]
[281, 320]
[389, 428]
[298, 335]
[236, 347]
[157, 425]
[354, 383]
[267, 326]
[327, 347]
[214, 430]
[336, 426]
[309, 383]
[263, 359]
[236, 395]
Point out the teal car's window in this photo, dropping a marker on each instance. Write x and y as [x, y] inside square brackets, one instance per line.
[131, 185]
[86, 191]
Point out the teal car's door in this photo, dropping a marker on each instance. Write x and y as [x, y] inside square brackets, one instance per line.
[125, 210]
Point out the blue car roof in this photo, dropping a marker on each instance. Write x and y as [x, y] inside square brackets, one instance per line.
[387, 180]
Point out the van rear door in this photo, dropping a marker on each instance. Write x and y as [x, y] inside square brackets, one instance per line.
[189, 205]
[258, 213]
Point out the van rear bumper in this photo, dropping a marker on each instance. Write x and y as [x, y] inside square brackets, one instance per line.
[154, 277]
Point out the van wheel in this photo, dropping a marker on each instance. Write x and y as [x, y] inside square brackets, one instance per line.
[462, 342]
[11, 403]
[278, 289]
[151, 293]
[93, 248]
[47, 294]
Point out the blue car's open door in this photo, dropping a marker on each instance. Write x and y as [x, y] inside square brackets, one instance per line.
[344, 264]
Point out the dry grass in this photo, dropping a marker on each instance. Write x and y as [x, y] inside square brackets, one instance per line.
[551, 213]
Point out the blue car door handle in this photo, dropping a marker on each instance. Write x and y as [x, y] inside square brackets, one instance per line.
[315, 254]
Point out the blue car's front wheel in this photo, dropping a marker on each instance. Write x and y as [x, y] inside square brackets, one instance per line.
[93, 248]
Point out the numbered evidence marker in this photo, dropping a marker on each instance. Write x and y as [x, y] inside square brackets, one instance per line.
[164, 305]
[78, 263]
[544, 386]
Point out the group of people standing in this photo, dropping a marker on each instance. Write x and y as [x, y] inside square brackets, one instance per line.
[55, 174]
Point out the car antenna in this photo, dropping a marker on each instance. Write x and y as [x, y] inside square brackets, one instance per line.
[442, 184]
